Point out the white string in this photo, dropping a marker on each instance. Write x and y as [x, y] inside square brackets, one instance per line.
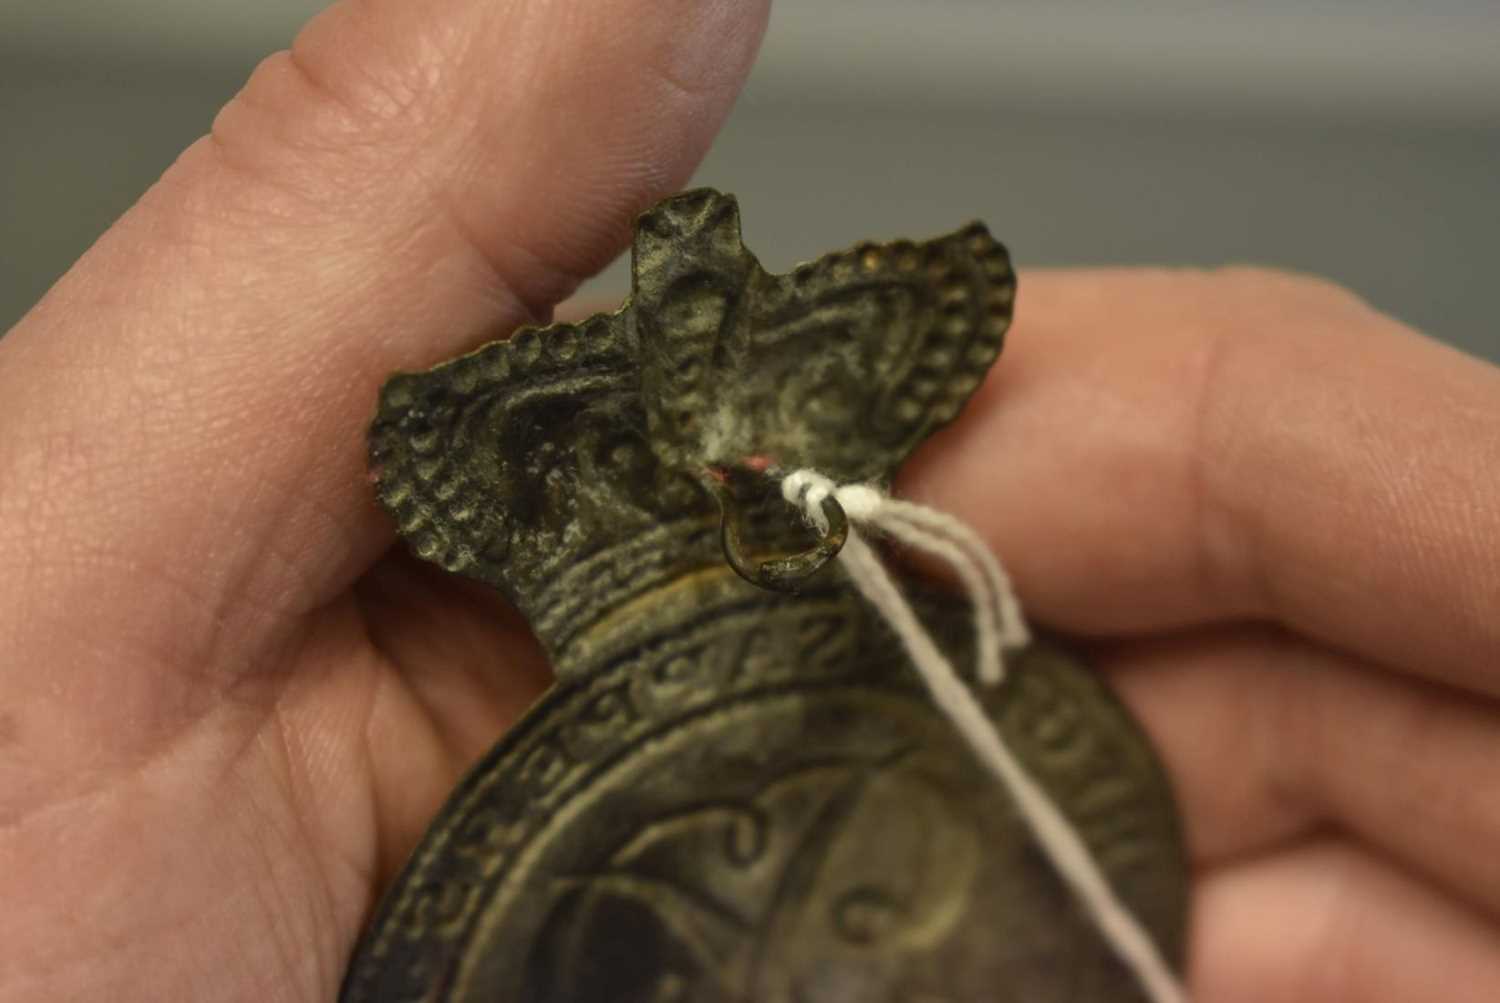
[998, 622]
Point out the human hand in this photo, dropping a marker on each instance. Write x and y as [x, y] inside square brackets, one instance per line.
[1275, 514]
[225, 717]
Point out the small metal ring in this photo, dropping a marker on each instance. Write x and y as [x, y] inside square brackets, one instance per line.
[778, 574]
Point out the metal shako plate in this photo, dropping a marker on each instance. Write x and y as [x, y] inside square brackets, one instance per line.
[733, 795]
[763, 807]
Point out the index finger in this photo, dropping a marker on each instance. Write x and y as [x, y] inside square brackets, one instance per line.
[1157, 449]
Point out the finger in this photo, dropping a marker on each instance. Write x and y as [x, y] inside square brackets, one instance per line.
[1329, 923]
[1163, 448]
[187, 407]
[1267, 737]
[469, 669]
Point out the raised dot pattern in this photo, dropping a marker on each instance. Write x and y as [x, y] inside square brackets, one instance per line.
[424, 444]
[964, 289]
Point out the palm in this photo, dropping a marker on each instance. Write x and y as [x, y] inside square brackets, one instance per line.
[227, 713]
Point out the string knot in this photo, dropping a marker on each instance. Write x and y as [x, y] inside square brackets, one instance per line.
[998, 623]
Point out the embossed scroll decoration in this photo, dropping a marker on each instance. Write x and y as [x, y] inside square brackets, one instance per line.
[734, 795]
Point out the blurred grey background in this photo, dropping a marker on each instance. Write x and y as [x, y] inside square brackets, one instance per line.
[1355, 138]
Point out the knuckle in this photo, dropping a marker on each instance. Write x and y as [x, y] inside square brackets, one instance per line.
[365, 97]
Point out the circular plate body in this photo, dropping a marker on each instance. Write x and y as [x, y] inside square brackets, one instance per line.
[762, 806]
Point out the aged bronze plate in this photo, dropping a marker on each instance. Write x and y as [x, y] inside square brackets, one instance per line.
[733, 795]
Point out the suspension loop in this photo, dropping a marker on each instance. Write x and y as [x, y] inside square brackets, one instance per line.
[787, 572]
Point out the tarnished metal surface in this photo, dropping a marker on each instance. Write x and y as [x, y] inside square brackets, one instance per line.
[732, 794]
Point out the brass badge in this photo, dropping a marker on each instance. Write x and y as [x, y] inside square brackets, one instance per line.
[740, 794]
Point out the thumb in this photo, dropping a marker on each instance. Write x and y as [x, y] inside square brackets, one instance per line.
[188, 404]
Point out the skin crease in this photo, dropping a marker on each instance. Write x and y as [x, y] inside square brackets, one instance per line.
[229, 708]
